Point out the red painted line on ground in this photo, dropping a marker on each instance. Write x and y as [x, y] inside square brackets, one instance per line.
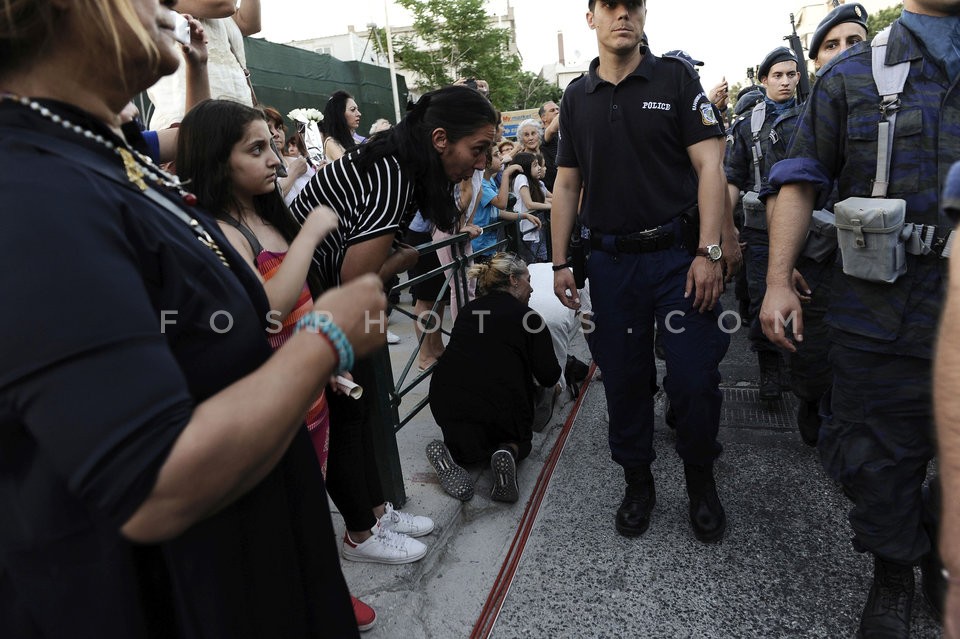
[501, 586]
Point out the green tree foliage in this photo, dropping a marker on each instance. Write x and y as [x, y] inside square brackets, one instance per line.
[454, 39]
[880, 20]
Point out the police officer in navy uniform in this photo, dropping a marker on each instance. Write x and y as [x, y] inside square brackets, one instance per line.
[640, 136]
[810, 373]
[879, 441]
[747, 171]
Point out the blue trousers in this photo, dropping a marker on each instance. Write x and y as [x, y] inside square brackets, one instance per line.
[629, 292]
[878, 444]
[811, 376]
[758, 243]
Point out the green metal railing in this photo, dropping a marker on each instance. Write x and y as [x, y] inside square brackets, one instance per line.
[389, 413]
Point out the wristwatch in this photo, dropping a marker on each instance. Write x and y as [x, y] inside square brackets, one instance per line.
[561, 267]
[711, 251]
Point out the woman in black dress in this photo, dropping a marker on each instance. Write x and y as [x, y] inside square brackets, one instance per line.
[482, 390]
[156, 479]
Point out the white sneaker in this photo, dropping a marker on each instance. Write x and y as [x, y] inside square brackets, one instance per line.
[392, 338]
[383, 547]
[405, 523]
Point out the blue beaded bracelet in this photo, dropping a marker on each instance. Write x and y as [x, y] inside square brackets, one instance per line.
[321, 324]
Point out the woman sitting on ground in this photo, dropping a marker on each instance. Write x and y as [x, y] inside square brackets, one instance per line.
[482, 390]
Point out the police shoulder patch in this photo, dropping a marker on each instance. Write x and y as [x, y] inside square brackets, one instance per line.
[707, 116]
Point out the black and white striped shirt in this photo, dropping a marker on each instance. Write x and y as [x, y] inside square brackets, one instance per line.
[368, 205]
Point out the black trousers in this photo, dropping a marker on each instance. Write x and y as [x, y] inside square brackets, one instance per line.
[352, 477]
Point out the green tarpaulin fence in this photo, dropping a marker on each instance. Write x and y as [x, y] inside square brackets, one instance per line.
[287, 78]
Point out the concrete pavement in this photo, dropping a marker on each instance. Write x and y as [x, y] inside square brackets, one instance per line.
[785, 567]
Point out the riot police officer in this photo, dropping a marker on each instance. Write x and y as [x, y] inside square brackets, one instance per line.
[889, 156]
[747, 171]
[810, 371]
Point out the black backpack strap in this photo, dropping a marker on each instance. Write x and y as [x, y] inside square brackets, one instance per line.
[247, 234]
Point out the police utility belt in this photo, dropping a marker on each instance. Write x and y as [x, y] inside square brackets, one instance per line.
[872, 232]
[648, 241]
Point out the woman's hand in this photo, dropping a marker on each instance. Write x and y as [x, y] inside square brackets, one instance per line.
[472, 230]
[358, 309]
[196, 51]
[511, 170]
[533, 218]
[319, 223]
[335, 386]
[296, 167]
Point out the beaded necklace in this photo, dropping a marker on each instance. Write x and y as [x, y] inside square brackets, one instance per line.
[137, 167]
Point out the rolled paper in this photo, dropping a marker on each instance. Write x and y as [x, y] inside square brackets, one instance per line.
[353, 390]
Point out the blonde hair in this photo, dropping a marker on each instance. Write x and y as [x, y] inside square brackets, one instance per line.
[494, 275]
[28, 26]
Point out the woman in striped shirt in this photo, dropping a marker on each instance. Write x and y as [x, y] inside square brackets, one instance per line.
[375, 190]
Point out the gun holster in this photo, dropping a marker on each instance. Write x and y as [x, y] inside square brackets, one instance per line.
[689, 221]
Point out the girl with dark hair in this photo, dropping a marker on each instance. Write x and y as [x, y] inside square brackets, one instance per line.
[224, 154]
[531, 198]
[341, 119]
[295, 153]
[375, 189]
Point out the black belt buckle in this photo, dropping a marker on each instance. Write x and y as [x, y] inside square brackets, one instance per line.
[645, 241]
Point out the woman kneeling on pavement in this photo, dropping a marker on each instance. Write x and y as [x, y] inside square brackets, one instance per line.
[482, 390]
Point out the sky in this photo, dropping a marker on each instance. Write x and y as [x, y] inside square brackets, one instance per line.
[728, 36]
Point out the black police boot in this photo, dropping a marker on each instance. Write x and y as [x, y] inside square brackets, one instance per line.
[808, 421]
[887, 612]
[769, 375]
[633, 516]
[707, 517]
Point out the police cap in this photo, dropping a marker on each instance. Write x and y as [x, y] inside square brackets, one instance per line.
[680, 53]
[844, 13]
[780, 54]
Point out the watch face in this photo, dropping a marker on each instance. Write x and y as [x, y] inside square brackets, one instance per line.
[714, 252]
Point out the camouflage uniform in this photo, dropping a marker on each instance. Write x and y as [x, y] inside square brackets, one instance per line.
[810, 373]
[880, 438]
[739, 169]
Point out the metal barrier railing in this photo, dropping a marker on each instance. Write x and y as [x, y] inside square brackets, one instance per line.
[390, 392]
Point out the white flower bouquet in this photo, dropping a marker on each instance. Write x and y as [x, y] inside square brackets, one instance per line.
[307, 121]
[305, 115]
